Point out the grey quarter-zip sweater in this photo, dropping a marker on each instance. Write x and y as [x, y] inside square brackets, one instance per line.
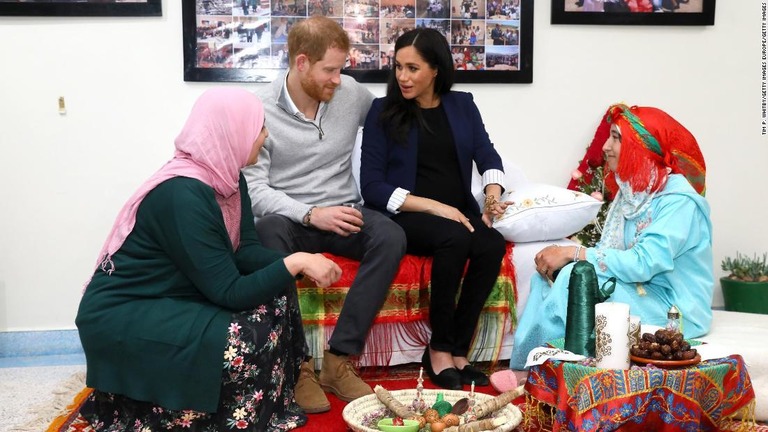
[307, 162]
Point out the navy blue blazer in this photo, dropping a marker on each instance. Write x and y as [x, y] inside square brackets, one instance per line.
[386, 165]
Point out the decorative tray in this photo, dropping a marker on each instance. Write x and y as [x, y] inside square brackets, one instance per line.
[667, 364]
[363, 413]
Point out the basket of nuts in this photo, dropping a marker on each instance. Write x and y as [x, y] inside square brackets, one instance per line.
[665, 349]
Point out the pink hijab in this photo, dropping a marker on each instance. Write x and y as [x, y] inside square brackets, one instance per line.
[212, 147]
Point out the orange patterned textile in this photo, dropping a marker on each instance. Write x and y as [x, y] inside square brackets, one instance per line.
[407, 302]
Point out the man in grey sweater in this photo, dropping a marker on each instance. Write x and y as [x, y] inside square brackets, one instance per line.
[298, 186]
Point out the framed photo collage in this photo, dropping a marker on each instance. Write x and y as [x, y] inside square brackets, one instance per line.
[245, 40]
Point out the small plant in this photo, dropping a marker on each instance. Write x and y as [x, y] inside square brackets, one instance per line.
[747, 269]
[592, 182]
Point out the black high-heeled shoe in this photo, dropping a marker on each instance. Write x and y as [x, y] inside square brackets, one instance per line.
[449, 379]
[470, 373]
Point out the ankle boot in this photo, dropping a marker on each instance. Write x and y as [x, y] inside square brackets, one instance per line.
[340, 377]
[308, 393]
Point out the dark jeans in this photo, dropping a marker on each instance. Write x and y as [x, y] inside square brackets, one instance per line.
[379, 247]
[451, 245]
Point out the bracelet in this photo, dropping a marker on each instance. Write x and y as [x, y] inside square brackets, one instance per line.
[490, 201]
[308, 217]
[578, 252]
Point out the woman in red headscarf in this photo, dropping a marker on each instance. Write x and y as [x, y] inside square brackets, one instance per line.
[656, 241]
[187, 321]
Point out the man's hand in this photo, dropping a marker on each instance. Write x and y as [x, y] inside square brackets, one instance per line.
[341, 220]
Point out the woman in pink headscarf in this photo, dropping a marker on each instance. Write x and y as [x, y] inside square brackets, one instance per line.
[187, 320]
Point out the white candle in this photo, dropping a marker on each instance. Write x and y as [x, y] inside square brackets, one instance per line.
[612, 335]
[472, 388]
[421, 370]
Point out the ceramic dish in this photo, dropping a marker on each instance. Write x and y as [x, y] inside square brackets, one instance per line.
[386, 425]
[667, 364]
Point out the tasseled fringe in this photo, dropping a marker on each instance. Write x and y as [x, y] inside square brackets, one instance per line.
[379, 343]
[52, 415]
[537, 415]
[747, 416]
[383, 337]
[489, 335]
[511, 292]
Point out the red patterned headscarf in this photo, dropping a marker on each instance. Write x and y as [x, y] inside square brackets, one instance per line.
[651, 142]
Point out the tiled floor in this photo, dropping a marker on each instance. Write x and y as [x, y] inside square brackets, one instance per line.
[27, 384]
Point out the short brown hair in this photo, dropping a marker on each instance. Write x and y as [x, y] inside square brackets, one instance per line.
[313, 36]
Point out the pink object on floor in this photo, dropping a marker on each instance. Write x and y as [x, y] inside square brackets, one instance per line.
[504, 380]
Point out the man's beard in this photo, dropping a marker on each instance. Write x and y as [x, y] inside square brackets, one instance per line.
[314, 90]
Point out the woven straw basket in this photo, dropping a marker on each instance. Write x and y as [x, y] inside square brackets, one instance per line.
[355, 411]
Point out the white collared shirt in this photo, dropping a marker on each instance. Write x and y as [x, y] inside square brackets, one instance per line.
[292, 105]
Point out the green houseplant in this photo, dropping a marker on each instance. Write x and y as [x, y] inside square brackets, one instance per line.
[745, 289]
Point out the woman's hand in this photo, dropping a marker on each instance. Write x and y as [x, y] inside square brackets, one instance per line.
[494, 210]
[317, 267]
[450, 212]
[415, 203]
[553, 258]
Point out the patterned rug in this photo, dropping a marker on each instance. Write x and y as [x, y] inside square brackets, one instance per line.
[391, 378]
[65, 419]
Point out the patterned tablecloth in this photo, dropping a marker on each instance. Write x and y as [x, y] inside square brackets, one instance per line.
[569, 396]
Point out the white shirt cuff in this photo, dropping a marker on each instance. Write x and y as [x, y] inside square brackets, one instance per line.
[493, 176]
[396, 200]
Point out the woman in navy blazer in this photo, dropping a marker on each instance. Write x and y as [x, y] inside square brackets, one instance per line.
[419, 143]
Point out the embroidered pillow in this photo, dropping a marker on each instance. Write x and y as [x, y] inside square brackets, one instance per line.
[542, 212]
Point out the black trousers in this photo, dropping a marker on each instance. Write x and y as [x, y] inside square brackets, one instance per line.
[451, 245]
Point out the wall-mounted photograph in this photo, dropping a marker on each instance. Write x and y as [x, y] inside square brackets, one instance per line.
[634, 12]
[81, 8]
[245, 41]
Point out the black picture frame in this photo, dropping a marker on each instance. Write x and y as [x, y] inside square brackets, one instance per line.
[563, 13]
[205, 61]
[80, 8]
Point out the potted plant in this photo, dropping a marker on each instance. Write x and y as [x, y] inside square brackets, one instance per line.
[745, 289]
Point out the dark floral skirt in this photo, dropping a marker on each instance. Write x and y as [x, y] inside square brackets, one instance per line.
[265, 348]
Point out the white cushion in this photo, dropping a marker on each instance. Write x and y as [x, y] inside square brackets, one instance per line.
[542, 212]
[513, 177]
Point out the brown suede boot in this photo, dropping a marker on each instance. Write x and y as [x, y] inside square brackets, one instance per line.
[309, 395]
[339, 376]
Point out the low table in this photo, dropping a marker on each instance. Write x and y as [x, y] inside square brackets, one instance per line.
[569, 396]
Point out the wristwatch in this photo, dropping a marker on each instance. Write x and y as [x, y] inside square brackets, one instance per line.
[307, 219]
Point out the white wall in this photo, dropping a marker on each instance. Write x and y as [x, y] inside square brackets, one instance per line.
[64, 178]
